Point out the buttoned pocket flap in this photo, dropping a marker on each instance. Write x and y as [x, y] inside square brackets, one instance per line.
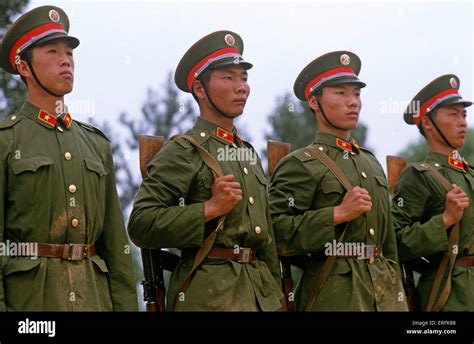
[31, 164]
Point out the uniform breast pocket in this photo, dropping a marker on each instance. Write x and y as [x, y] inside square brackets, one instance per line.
[30, 175]
[94, 178]
[263, 181]
[330, 194]
[381, 181]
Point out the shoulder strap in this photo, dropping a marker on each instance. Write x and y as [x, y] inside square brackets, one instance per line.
[435, 302]
[330, 260]
[204, 250]
[208, 159]
[331, 165]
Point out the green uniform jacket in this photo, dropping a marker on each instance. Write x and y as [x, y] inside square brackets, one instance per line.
[417, 212]
[37, 206]
[303, 194]
[169, 212]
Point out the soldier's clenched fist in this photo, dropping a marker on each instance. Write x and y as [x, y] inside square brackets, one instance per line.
[355, 203]
[226, 193]
[456, 201]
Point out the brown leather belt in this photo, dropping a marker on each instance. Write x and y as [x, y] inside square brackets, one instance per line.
[65, 251]
[465, 261]
[242, 255]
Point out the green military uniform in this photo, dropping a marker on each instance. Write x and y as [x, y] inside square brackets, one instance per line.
[169, 208]
[303, 194]
[419, 203]
[57, 187]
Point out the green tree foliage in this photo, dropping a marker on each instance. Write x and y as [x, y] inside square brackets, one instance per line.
[12, 89]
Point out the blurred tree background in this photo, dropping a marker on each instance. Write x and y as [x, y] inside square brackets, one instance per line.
[12, 90]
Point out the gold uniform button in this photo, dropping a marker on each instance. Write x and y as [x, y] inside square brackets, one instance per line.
[371, 260]
[258, 230]
[437, 165]
[364, 175]
[321, 149]
[246, 171]
[13, 118]
[72, 188]
[372, 231]
[60, 129]
[251, 200]
[67, 156]
[203, 134]
[75, 222]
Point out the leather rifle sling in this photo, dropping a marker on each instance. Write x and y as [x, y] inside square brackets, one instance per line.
[330, 260]
[201, 255]
[435, 302]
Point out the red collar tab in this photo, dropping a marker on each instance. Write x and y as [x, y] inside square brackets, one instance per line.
[47, 118]
[67, 120]
[343, 145]
[225, 135]
[52, 120]
[458, 164]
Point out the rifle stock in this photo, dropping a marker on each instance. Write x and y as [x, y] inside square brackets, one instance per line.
[154, 283]
[395, 167]
[276, 151]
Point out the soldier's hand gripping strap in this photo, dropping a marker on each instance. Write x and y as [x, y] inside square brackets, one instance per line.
[330, 260]
[214, 166]
[435, 302]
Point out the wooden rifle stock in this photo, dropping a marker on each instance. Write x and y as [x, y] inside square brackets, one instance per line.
[276, 151]
[154, 283]
[395, 167]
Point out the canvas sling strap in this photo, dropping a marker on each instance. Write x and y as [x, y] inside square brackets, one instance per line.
[330, 260]
[435, 302]
[206, 247]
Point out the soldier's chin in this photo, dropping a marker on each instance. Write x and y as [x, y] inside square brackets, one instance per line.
[458, 144]
[349, 125]
[66, 89]
[236, 114]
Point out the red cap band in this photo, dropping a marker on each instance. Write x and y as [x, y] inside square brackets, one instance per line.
[331, 72]
[424, 108]
[191, 76]
[29, 36]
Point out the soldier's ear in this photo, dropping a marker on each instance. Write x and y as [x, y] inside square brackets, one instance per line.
[426, 124]
[312, 103]
[23, 69]
[198, 90]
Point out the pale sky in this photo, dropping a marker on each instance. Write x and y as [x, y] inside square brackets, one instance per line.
[128, 47]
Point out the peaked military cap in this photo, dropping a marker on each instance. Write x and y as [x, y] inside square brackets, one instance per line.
[218, 49]
[334, 68]
[442, 91]
[40, 25]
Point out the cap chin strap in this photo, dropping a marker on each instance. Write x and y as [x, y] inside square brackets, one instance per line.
[325, 117]
[28, 61]
[219, 111]
[440, 132]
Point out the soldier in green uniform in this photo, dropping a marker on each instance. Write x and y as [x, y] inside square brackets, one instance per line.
[179, 204]
[424, 212]
[57, 185]
[310, 208]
